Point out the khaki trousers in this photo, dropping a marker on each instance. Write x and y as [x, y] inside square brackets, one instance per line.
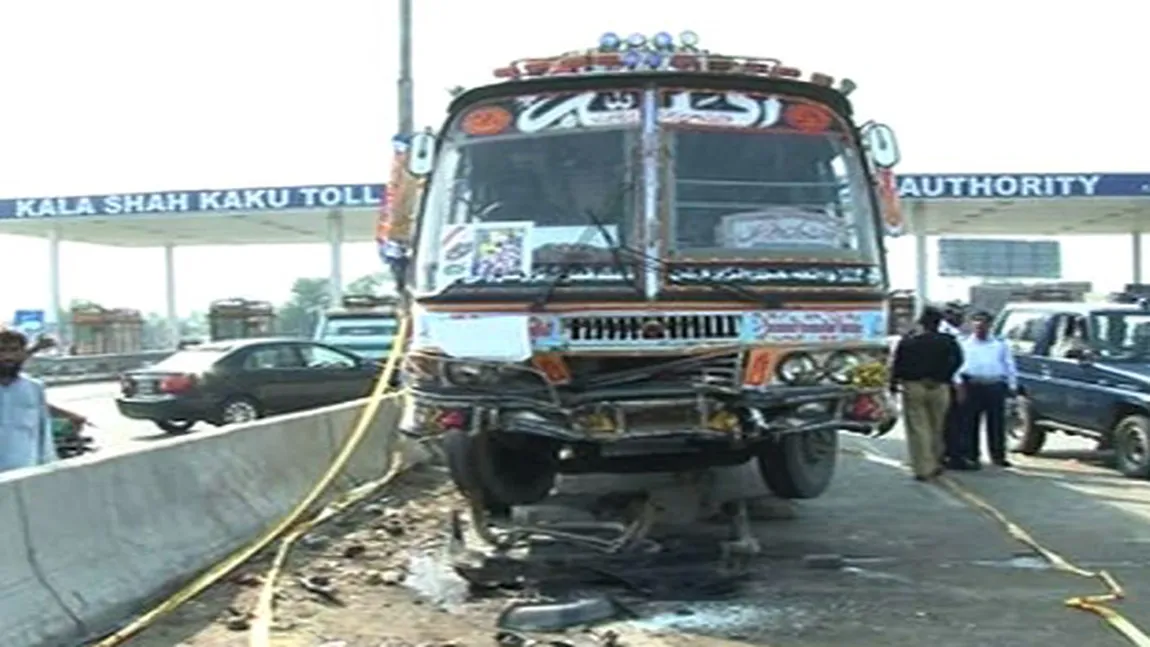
[924, 405]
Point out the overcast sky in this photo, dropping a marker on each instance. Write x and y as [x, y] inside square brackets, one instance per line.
[112, 96]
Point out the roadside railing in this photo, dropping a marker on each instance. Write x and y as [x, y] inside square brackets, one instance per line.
[89, 368]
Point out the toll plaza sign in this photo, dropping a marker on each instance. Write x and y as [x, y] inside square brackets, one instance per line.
[332, 196]
[1005, 186]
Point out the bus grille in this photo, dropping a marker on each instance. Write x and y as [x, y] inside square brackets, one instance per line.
[658, 328]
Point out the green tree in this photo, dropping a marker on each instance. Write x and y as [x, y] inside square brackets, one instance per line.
[370, 284]
[154, 333]
[309, 297]
[195, 325]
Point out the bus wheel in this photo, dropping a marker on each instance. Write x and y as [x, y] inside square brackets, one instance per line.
[801, 465]
[498, 473]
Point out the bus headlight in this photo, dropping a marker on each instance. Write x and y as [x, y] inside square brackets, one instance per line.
[467, 374]
[798, 368]
[840, 367]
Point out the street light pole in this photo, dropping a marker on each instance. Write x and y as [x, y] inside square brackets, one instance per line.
[406, 100]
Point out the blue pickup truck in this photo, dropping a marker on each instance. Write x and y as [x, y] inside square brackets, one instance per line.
[1097, 387]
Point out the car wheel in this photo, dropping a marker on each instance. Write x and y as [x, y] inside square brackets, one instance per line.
[1026, 437]
[497, 474]
[801, 465]
[239, 410]
[1132, 446]
[176, 426]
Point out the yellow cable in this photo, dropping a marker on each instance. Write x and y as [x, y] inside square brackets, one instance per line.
[263, 613]
[1096, 604]
[234, 560]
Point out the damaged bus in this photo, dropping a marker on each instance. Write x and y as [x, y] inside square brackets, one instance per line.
[644, 257]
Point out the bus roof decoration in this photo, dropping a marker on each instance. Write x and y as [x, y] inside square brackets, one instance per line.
[637, 53]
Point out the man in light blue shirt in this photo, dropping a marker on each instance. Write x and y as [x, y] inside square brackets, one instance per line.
[990, 377]
[25, 424]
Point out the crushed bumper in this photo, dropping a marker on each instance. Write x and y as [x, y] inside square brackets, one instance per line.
[652, 412]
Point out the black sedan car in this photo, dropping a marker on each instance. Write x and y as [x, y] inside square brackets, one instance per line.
[240, 380]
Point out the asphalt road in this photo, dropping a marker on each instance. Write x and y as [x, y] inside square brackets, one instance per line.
[913, 564]
[922, 566]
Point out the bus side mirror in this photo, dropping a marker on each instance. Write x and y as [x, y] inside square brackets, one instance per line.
[421, 154]
[881, 145]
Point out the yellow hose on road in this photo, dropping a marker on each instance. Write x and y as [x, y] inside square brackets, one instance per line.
[230, 563]
[259, 634]
[1096, 604]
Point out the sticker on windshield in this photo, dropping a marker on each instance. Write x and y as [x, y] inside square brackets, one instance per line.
[501, 249]
[486, 120]
[783, 226]
[808, 117]
[552, 111]
[746, 110]
[485, 252]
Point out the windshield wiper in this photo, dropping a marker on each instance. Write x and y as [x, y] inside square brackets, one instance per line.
[617, 263]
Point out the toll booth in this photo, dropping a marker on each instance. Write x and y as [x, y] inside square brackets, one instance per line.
[991, 297]
[900, 312]
[102, 331]
[240, 319]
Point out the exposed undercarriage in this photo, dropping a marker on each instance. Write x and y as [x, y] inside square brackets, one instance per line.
[510, 432]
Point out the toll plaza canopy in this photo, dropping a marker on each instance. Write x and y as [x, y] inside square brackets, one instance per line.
[1016, 204]
[1026, 204]
[1011, 204]
[260, 215]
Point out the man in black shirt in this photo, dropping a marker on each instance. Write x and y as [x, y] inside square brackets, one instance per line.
[924, 369]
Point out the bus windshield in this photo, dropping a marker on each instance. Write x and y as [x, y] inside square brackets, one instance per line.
[546, 189]
[770, 191]
[514, 208]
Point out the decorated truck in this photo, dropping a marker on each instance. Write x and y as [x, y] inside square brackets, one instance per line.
[644, 257]
[239, 318]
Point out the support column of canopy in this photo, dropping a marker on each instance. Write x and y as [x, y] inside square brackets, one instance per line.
[173, 319]
[1136, 248]
[335, 242]
[921, 258]
[55, 300]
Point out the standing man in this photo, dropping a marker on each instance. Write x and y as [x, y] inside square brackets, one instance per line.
[990, 377]
[924, 367]
[952, 319]
[956, 444]
[25, 424]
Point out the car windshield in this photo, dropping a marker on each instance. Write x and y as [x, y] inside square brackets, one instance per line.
[365, 336]
[359, 327]
[190, 360]
[520, 206]
[1121, 335]
[771, 191]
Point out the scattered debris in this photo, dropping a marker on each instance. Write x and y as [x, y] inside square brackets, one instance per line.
[322, 586]
[236, 620]
[528, 616]
[433, 579]
[829, 562]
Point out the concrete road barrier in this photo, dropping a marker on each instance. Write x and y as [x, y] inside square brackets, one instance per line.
[86, 544]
